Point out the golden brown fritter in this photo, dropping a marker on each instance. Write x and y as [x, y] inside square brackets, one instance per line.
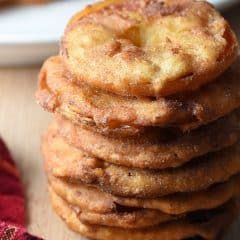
[57, 94]
[129, 218]
[148, 48]
[208, 229]
[154, 149]
[63, 160]
[94, 200]
[135, 220]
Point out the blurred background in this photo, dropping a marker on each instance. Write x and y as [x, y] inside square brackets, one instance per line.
[31, 32]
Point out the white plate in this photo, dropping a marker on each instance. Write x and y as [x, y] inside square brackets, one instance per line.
[30, 34]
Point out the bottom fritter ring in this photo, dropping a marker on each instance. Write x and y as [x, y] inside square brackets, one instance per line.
[94, 200]
[205, 226]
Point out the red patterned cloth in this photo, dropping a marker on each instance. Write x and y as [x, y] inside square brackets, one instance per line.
[12, 206]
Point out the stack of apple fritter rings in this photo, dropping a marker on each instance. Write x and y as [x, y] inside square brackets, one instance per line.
[144, 142]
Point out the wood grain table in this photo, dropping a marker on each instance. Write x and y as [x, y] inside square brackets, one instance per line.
[22, 122]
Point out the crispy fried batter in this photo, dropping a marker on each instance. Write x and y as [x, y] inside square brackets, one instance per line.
[148, 48]
[63, 160]
[57, 94]
[94, 200]
[208, 229]
[139, 219]
[154, 149]
[123, 217]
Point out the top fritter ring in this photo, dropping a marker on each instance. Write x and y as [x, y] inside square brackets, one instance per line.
[148, 47]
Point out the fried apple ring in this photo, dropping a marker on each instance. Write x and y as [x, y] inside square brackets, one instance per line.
[156, 149]
[208, 229]
[129, 218]
[148, 48]
[57, 94]
[63, 160]
[94, 200]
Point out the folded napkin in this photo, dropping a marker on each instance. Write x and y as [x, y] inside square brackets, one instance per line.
[12, 205]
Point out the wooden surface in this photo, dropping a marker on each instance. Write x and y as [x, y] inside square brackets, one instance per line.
[22, 122]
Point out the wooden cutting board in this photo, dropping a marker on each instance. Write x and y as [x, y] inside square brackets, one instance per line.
[22, 122]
